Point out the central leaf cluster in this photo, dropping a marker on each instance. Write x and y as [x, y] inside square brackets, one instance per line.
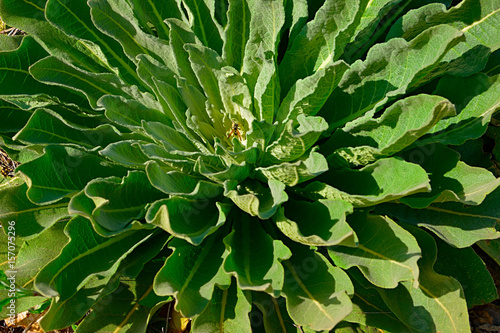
[266, 152]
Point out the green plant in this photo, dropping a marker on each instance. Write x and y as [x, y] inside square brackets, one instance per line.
[343, 206]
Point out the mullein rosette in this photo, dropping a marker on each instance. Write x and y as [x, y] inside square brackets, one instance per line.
[265, 164]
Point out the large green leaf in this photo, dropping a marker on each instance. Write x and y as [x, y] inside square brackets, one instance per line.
[154, 12]
[116, 19]
[295, 173]
[308, 95]
[374, 257]
[132, 299]
[384, 180]
[50, 70]
[375, 20]
[466, 13]
[259, 68]
[273, 316]
[193, 286]
[61, 12]
[478, 20]
[458, 225]
[120, 201]
[316, 292]
[126, 152]
[406, 120]
[168, 161]
[320, 41]
[254, 258]
[293, 143]
[174, 106]
[203, 24]
[47, 127]
[179, 183]
[237, 32]
[227, 312]
[477, 98]
[30, 17]
[255, 199]
[13, 117]
[80, 259]
[181, 34]
[235, 96]
[15, 65]
[30, 219]
[369, 84]
[188, 219]
[438, 303]
[451, 179]
[99, 290]
[369, 308]
[169, 137]
[131, 113]
[234, 171]
[205, 63]
[34, 253]
[267, 92]
[468, 268]
[150, 69]
[329, 226]
[77, 114]
[50, 177]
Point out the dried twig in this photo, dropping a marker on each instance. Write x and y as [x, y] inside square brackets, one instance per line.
[12, 32]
